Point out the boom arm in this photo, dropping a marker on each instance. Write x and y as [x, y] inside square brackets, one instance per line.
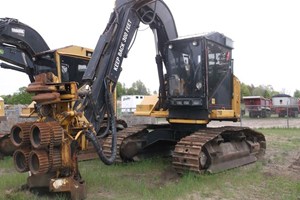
[19, 43]
[105, 65]
[15, 33]
[16, 60]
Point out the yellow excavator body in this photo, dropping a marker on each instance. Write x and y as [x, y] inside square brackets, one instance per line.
[149, 103]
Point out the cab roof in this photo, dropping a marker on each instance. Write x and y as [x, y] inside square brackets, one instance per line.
[71, 50]
[213, 36]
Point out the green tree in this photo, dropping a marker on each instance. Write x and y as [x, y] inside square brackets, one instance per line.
[266, 91]
[259, 91]
[251, 88]
[245, 91]
[20, 97]
[138, 87]
[270, 91]
[121, 90]
[297, 93]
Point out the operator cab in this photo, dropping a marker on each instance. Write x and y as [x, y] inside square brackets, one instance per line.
[68, 63]
[200, 75]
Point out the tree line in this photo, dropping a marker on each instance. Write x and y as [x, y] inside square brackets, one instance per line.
[139, 88]
[20, 97]
[266, 91]
[23, 97]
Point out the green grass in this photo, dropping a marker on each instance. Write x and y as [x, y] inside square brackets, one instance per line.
[137, 183]
[6, 163]
[282, 138]
[9, 177]
[125, 178]
[154, 179]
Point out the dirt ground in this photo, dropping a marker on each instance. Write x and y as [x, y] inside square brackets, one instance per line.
[288, 167]
[281, 162]
[273, 122]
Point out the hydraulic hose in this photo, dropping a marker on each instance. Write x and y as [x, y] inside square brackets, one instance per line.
[106, 131]
[92, 138]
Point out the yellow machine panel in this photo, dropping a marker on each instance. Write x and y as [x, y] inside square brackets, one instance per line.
[2, 112]
[235, 113]
[28, 111]
[147, 108]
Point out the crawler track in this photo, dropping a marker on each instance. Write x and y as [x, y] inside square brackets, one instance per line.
[186, 154]
[121, 136]
[209, 149]
[198, 153]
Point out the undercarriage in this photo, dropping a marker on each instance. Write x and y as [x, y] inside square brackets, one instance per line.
[205, 150]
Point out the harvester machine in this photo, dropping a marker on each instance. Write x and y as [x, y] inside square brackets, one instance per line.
[197, 86]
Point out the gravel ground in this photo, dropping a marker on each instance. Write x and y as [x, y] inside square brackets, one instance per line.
[272, 122]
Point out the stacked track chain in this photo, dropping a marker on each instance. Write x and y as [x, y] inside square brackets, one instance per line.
[188, 151]
[121, 136]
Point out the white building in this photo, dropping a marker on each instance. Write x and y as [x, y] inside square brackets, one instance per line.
[129, 102]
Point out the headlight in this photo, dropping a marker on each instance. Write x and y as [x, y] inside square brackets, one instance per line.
[199, 85]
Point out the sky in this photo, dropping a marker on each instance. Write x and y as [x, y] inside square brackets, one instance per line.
[265, 34]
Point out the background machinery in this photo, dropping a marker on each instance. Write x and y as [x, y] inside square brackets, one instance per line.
[258, 106]
[23, 49]
[285, 105]
[2, 111]
[4, 147]
[197, 85]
